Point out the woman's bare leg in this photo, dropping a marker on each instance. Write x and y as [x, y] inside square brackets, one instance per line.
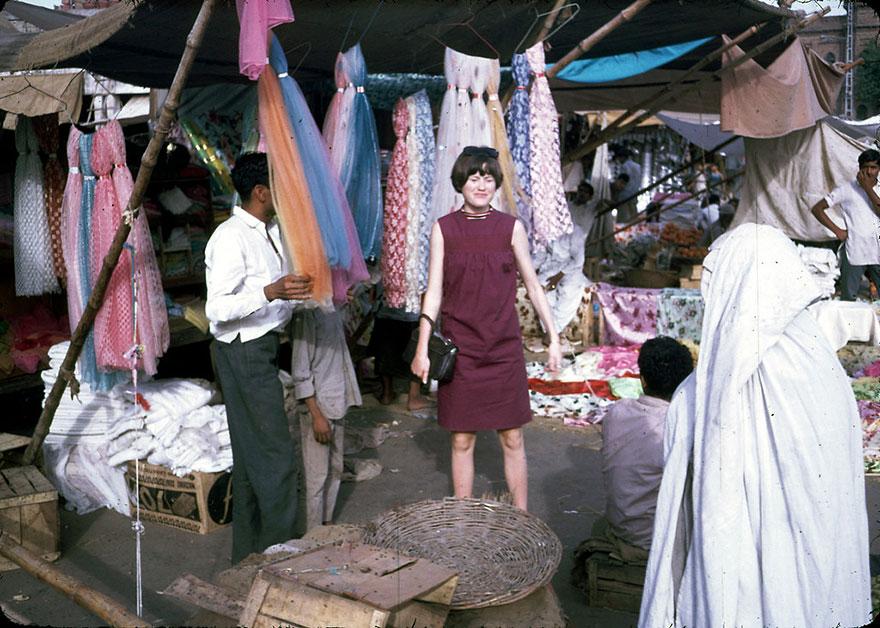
[515, 470]
[463, 463]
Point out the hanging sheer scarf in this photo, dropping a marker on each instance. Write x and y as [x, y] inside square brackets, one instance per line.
[46, 128]
[256, 19]
[518, 136]
[448, 148]
[290, 193]
[550, 215]
[350, 133]
[511, 195]
[394, 251]
[34, 271]
[761, 516]
[420, 159]
[481, 131]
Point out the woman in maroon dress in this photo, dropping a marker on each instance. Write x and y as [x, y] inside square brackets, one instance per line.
[475, 254]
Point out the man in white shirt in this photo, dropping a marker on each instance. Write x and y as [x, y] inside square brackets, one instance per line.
[709, 214]
[859, 203]
[249, 304]
[627, 210]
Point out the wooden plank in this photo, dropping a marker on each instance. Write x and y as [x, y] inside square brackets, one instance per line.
[197, 592]
[303, 605]
[6, 491]
[442, 594]
[17, 481]
[254, 600]
[10, 523]
[40, 527]
[13, 441]
[38, 480]
[419, 614]
[8, 565]
[380, 561]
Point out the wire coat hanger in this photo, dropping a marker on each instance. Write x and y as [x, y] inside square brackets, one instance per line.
[574, 7]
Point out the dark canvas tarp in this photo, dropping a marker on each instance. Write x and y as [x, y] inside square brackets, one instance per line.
[141, 42]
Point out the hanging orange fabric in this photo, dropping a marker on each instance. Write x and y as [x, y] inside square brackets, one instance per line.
[290, 192]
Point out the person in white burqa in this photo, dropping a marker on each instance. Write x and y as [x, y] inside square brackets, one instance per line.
[761, 517]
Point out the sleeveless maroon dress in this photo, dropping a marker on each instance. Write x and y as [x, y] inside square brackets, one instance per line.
[489, 389]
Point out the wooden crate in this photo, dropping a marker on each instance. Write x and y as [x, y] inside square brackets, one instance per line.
[198, 502]
[352, 585]
[614, 585]
[29, 512]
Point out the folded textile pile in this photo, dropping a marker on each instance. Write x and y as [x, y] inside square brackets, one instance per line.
[823, 266]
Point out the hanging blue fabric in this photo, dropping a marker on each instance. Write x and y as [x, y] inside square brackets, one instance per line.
[617, 67]
[518, 134]
[361, 167]
[322, 180]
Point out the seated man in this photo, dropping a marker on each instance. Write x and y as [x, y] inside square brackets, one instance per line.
[632, 447]
[720, 226]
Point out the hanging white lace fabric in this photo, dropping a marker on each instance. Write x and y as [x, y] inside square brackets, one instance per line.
[455, 103]
[481, 132]
[34, 273]
[420, 155]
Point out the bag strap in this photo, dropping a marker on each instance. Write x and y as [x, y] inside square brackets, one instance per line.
[429, 319]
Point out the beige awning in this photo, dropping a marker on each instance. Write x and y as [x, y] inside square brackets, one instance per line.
[38, 93]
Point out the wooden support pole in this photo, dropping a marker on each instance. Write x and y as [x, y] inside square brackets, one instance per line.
[665, 178]
[108, 609]
[148, 162]
[658, 211]
[586, 44]
[666, 89]
[665, 96]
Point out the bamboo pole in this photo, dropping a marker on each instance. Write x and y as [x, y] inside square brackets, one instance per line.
[148, 162]
[645, 103]
[658, 211]
[90, 599]
[663, 96]
[665, 178]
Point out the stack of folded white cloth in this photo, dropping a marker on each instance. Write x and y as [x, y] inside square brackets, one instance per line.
[822, 264]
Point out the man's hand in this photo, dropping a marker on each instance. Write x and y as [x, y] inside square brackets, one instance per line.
[555, 279]
[321, 427]
[842, 234]
[866, 181]
[290, 288]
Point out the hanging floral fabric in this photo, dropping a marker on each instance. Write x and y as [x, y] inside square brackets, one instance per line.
[511, 195]
[420, 152]
[518, 134]
[350, 131]
[331, 205]
[46, 128]
[550, 215]
[396, 213]
[34, 272]
[448, 148]
[481, 131]
[293, 202]
[256, 18]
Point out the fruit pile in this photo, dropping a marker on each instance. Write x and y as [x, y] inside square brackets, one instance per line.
[679, 235]
[692, 252]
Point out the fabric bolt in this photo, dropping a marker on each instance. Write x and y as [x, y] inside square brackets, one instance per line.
[618, 361]
[576, 410]
[257, 18]
[335, 122]
[34, 270]
[550, 216]
[70, 209]
[46, 128]
[866, 388]
[420, 151]
[511, 194]
[394, 236]
[680, 313]
[480, 128]
[301, 233]
[844, 321]
[452, 134]
[794, 92]
[488, 389]
[518, 136]
[758, 479]
[626, 387]
[630, 313]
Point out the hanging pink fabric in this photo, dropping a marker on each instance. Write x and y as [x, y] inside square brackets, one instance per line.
[70, 208]
[396, 210]
[256, 18]
[551, 217]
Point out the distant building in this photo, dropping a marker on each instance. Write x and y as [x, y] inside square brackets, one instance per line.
[828, 38]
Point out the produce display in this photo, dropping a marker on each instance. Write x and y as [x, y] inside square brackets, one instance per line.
[680, 235]
[692, 252]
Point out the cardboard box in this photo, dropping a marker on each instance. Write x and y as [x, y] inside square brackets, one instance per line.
[29, 512]
[198, 502]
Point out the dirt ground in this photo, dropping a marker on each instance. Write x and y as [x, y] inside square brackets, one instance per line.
[565, 487]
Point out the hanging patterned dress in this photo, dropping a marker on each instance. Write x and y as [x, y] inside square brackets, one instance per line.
[420, 155]
[550, 215]
[394, 242]
[34, 271]
[518, 135]
[46, 128]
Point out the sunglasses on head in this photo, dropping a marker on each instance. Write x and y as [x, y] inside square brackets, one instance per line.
[480, 151]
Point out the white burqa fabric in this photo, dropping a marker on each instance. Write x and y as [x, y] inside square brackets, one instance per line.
[761, 517]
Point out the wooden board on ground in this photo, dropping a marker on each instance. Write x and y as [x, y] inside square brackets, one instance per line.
[29, 513]
[350, 584]
[205, 595]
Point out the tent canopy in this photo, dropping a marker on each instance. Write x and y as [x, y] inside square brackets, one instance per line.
[140, 41]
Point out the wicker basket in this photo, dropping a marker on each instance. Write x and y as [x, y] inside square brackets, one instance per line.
[500, 552]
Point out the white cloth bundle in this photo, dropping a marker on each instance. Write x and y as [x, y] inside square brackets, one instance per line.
[823, 266]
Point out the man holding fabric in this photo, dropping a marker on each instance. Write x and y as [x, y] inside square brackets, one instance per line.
[859, 202]
[249, 305]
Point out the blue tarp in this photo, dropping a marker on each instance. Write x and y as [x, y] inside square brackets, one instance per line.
[617, 67]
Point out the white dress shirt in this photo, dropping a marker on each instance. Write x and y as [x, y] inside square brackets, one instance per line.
[243, 256]
[862, 224]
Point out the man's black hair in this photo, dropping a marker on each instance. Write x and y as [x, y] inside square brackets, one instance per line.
[869, 155]
[664, 363]
[250, 170]
[623, 177]
[586, 185]
[714, 198]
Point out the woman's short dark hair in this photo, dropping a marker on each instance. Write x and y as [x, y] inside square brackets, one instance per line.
[869, 155]
[250, 170]
[475, 160]
[664, 363]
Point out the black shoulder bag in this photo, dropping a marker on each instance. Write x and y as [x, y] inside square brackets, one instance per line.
[441, 352]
